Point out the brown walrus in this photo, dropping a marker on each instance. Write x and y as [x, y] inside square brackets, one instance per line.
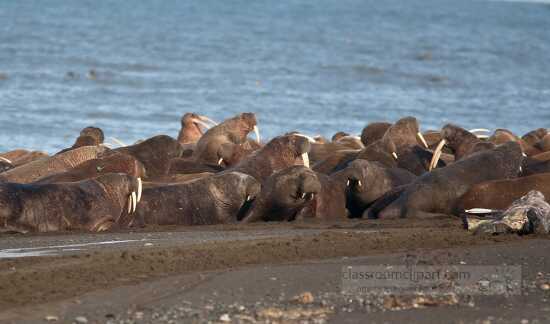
[278, 154]
[284, 194]
[46, 166]
[154, 153]
[89, 136]
[5, 165]
[438, 191]
[374, 132]
[20, 157]
[500, 194]
[92, 205]
[191, 131]
[230, 154]
[233, 130]
[370, 181]
[112, 163]
[217, 199]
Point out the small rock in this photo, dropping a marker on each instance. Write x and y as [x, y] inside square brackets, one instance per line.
[225, 318]
[81, 320]
[304, 298]
[51, 318]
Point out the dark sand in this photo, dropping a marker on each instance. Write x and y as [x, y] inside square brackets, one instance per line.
[251, 273]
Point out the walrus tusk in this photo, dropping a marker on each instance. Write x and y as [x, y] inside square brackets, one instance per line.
[257, 132]
[309, 138]
[480, 136]
[200, 122]
[208, 120]
[129, 204]
[140, 189]
[394, 155]
[248, 198]
[107, 145]
[220, 161]
[437, 154]
[479, 130]
[303, 195]
[5, 160]
[347, 183]
[359, 183]
[479, 211]
[118, 142]
[523, 153]
[422, 139]
[305, 158]
[134, 202]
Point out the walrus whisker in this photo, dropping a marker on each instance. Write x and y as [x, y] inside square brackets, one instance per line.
[118, 142]
[305, 158]
[257, 132]
[140, 189]
[437, 154]
[422, 139]
[5, 160]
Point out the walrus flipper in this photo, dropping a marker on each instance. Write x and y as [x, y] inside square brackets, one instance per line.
[383, 202]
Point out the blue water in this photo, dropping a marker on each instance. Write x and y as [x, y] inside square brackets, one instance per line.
[316, 66]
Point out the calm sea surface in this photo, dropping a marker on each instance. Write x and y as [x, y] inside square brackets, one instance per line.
[315, 66]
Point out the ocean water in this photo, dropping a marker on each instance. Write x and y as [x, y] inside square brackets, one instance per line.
[315, 66]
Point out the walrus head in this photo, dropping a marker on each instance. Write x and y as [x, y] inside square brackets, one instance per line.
[95, 133]
[289, 148]
[459, 140]
[284, 194]
[191, 124]
[406, 133]
[383, 151]
[533, 137]
[374, 132]
[235, 190]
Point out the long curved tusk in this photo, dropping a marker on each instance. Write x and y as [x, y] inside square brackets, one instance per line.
[129, 204]
[118, 142]
[248, 198]
[208, 120]
[257, 132]
[394, 155]
[482, 136]
[422, 139]
[347, 183]
[309, 138]
[437, 154]
[479, 211]
[479, 130]
[134, 202]
[5, 160]
[305, 159]
[140, 189]
[200, 122]
[220, 161]
[359, 183]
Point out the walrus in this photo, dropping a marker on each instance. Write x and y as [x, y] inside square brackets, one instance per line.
[374, 132]
[154, 153]
[532, 166]
[32, 171]
[230, 154]
[405, 133]
[278, 154]
[438, 191]
[112, 163]
[191, 131]
[20, 157]
[218, 199]
[284, 194]
[500, 194]
[186, 166]
[544, 144]
[338, 135]
[233, 130]
[89, 136]
[92, 205]
[370, 182]
[5, 165]
[534, 136]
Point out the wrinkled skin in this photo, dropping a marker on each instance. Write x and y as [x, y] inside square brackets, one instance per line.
[231, 154]
[32, 171]
[112, 163]
[438, 191]
[234, 130]
[374, 132]
[531, 166]
[500, 194]
[155, 154]
[380, 151]
[89, 136]
[216, 199]
[284, 194]
[21, 157]
[460, 141]
[91, 205]
[278, 154]
[338, 158]
[370, 181]
[185, 166]
[171, 179]
[417, 160]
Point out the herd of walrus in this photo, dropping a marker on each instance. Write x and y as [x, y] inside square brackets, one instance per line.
[214, 174]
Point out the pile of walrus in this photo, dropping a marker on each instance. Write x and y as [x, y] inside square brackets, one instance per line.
[212, 173]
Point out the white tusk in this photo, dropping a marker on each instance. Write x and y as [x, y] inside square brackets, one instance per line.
[134, 202]
[479, 211]
[220, 161]
[248, 198]
[208, 120]
[422, 139]
[303, 195]
[257, 132]
[524, 155]
[129, 204]
[520, 169]
[359, 183]
[107, 145]
[347, 183]
[394, 155]
[200, 122]
[437, 154]
[118, 142]
[309, 138]
[479, 130]
[5, 160]
[480, 136]
[305, 158]
[140, 189]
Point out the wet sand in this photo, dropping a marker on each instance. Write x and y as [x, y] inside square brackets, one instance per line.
[206, 272]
